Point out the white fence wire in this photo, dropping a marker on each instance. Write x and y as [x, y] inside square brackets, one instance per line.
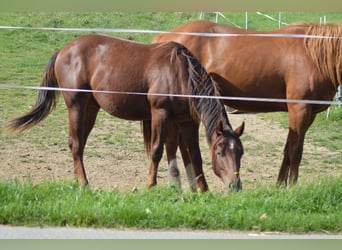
[217, 15]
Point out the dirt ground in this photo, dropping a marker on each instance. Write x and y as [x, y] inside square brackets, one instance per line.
[125, 167]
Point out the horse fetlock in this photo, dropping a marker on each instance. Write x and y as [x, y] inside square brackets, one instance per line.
[174, 173]
[174, 177]
[202, 183]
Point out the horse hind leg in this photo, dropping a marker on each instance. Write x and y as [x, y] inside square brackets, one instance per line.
[300, 119]
[293, 151]
[82, 116]
[285, 166]
[159, 125]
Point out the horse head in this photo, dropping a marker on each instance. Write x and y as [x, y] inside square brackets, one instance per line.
[227, 151]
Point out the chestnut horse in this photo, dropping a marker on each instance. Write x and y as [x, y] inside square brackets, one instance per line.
[137, 81]
[256, 64]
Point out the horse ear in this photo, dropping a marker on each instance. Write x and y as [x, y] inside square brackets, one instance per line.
[239, 130]
[219, 128]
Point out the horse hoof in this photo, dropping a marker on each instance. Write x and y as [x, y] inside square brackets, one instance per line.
[150, 185]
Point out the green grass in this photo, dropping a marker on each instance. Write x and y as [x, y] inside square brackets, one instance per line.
[314, 207]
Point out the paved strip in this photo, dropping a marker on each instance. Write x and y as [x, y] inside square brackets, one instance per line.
[20, 232]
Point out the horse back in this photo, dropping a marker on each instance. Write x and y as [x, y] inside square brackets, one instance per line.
[105, 63]
[94, 51]
[250, 66]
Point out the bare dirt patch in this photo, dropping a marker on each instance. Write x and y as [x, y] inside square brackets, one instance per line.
[117, 160]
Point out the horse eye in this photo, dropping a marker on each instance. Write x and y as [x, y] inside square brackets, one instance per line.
[219, 153]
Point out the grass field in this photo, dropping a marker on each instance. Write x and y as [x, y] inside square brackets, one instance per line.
[24, 53]
[314, 207]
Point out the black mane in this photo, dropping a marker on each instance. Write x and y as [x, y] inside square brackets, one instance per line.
[208, 109]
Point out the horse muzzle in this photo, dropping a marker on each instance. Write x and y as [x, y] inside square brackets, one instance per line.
[235, 184]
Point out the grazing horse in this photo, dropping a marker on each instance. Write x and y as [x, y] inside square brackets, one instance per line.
[270, 65]
[136, 81]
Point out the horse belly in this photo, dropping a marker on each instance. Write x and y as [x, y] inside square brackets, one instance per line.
[250, 87]
[128, 107]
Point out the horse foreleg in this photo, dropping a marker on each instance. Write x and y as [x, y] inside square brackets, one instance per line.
[190, 135]
[190, 172]
[173, 140]
[158, 133]
[171, 144]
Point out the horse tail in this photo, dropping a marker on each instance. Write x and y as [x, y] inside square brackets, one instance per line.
[146, 130]
[45, 103]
